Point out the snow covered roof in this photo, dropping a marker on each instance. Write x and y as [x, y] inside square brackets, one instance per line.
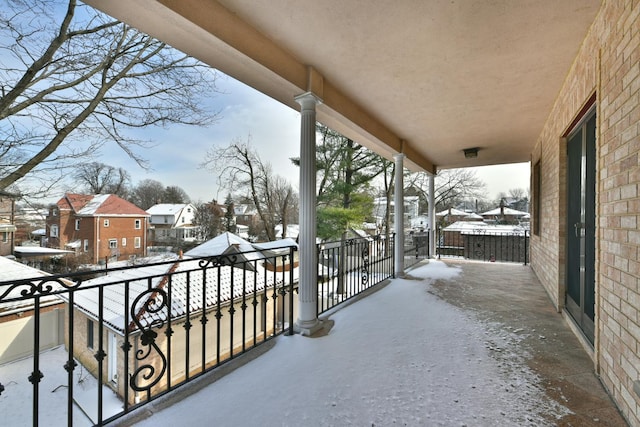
[244, 210]
[166, 208]
[25, 251]
[456, 212]
[276, 248]
[7, 226]
[475, 227]
[473, 216]
[221, 244]
[75, 244]
[149, 287]
[507, 211]
[99, 204]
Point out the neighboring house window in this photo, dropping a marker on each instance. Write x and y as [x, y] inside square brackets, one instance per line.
[188, 210]
[138, 224]
[89, 333]
[54, 231]
[136, 242]
[124, 242]
[54, 212]
[77, 224]
[106, 222]
[5, 237]
[113, 243]
[86, 245]
[183, 220]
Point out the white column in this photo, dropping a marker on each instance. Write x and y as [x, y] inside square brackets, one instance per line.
[398, 211]
[307, 322]
[432, 216]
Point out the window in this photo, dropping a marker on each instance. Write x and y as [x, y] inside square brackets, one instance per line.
[5, 237]
[138, 224]
[124, 242]
[89, 333]
[86, 245]
[54, 231]
[77, 224]
[54, 212]
[537, 180]
[183, 220]
[113, 243]
[136, 242]
[106, 222]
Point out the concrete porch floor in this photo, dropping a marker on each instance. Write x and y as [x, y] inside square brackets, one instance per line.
[511, 295]
[400, 357]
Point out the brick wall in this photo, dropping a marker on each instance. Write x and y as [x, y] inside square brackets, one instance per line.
[608, 65]
[120, 227]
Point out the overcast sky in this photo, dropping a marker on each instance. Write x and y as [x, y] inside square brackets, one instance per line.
[274, 130]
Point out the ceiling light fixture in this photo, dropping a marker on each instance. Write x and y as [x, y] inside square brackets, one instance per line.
[471, 153]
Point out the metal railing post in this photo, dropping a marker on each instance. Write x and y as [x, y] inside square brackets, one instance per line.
[291, 287]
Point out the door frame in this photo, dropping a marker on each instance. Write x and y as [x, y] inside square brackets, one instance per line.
[586, 258]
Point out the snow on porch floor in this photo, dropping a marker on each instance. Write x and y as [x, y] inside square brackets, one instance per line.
[16, 401]
[402, 356]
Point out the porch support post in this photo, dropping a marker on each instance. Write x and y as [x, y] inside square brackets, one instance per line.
[307, 322]
[432, 216]
[398, 212]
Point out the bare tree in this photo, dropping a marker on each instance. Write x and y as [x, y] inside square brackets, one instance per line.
[452, 186]
[100, 178]
[73, 79]
[147, 193]
[239, 167]
[175, 194]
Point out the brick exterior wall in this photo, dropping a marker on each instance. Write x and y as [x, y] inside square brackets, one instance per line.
[98, 235]
[608, 65]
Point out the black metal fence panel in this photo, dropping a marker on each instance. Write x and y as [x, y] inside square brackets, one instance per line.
[135, 333]
[351, 266]
[484, 245]
[130, 335]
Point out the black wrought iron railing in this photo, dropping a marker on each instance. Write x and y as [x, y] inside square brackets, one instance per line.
[349, 267]
[484, 244]
[416, 248]
[94, 346]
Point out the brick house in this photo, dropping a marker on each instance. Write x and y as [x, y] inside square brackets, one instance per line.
[100, 227]
[7, 223]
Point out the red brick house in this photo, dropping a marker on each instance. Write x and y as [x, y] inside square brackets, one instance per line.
[102, 227]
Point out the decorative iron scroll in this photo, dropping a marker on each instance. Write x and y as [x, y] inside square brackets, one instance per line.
[365, 265]
[218, 261]
[37, 287]
[147, 375]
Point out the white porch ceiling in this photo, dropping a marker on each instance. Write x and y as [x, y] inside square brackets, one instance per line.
[425, 77]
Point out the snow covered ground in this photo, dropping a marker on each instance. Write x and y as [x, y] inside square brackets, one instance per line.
[17, 399]
[400, 356]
